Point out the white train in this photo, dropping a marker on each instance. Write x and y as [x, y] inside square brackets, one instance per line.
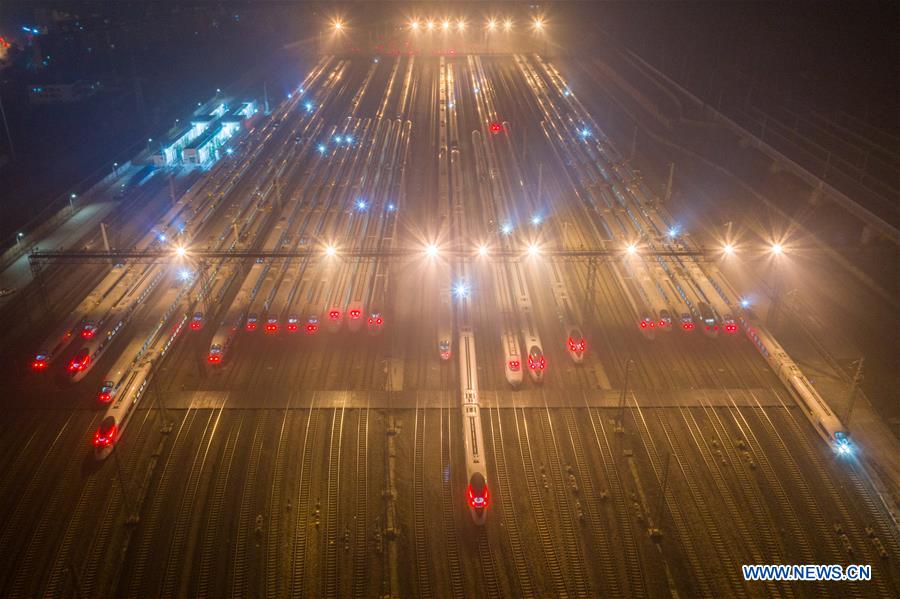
[826, 423]
[92, 348]
[129, 393]
[477, 495]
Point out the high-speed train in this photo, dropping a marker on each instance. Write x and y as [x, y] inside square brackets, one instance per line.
[129, 392]
[826, 423]
[477, 494]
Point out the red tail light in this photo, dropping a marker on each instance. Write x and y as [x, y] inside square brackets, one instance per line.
[291, 327]
[334, 315]
[195, 325]
[379, 321]
[39, 365]
[311, 329]
[643, 324]
[478, 501]
[105, 440]
[214, 358]
[354, 314]
[103, 397]
[496, 128]
[251, 326]
[271, 328]
[687, 326]
[75, 365]
[514, 365]
[731, 328]
[87, 332]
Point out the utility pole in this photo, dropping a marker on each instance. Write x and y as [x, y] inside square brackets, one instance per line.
[124, 486]
[656, 531]
[12, 150]
[623, 398]
[857, 379]
[669, 182]
[105, 238]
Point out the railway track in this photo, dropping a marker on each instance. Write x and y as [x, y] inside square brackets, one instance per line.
[537, 504]
[177, 550]
[502, 494]
[360, 533]
[298, 578]
[678, 519]
[330, 536]
[592, 507]
[53, 506]
[748, 540]
[214, 512]
[239, 557]
[451, 542]
[101, 541]
[729, 563]
[423, 571]
[13, 528]
[848, 522]
[151, 522]
[273, 578]
[571, 541]
[488, 565]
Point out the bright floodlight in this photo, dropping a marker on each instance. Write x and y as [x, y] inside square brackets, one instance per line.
[180, 251]
[728, 249]
[185, 275]
[482, 250]
[745, 303]
[631, 249]
[361, 205]
[330, 250]
[507, 24]
[536, 220]
[445, 25]
[461, 25]
[429, 25]
[461, 289]
[431, 250]
[491, 24]
[537, 24]
[506, 228]
[338, 25]
[414, 24]
[777, 249]
[533, 249]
